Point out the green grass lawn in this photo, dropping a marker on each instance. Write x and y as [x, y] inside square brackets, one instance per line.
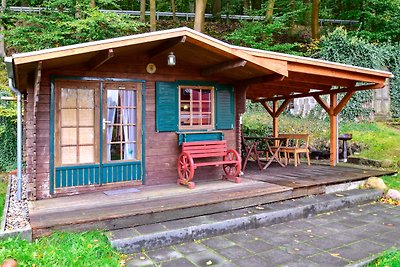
[63, 249]
[379, 140]
[3, 188]
[390, 258]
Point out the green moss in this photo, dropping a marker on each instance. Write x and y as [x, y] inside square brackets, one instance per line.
[62, 249]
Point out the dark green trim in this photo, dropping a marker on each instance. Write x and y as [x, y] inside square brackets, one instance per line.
[72, 168]
[143, 132]
[52, 178]
[101, 135]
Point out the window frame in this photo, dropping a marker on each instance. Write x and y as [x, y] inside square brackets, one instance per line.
[88, 85]
[212, 100]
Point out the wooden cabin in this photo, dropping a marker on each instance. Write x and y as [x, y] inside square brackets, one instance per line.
[112, 113]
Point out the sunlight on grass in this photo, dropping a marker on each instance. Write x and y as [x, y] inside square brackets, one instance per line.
[63, 249]
[389, 258]
[380, 141]
[392, 181]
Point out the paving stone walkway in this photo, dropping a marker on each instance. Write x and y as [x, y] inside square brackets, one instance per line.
[336, 238]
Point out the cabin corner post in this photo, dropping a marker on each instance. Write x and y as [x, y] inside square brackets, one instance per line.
[275, 118]
[333, 130]
[240, 106]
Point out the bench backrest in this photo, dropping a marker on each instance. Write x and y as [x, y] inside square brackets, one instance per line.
[205, 149]
[293, 139]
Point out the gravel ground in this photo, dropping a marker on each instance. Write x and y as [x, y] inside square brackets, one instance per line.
[18, 213]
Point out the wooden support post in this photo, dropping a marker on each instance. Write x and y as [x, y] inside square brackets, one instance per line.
[333, 129]
[275, 117]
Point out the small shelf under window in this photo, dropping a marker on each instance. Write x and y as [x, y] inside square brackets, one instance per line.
[199, 136]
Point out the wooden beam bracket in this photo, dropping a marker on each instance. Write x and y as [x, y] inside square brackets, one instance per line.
[167, 45]
[101, 58]
[233, 64]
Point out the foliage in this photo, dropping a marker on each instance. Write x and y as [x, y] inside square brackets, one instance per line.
[389, 258]
[62, 249]
[28, 32]
[8, 127]
[379, 19]
[340, 47]
[263, 36]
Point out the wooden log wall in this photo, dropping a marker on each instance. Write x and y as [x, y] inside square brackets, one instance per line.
[161, 149]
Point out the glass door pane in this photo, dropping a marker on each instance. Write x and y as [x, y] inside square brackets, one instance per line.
[121, 124]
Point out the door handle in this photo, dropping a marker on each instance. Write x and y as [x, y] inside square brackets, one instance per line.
[105, 122]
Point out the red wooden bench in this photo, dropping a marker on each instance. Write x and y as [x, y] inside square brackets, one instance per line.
[230, 161]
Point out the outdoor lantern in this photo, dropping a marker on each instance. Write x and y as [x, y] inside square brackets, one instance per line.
[171, 59]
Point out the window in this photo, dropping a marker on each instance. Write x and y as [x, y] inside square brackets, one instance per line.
[121, 124]
[77, 126]
[196, 107]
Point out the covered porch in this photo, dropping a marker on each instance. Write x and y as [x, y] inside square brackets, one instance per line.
[117, 209]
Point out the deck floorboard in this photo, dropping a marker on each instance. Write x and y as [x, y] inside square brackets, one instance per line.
[156, 203]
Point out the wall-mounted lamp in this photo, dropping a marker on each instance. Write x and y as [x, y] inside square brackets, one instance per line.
[171, 59]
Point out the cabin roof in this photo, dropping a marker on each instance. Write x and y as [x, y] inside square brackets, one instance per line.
[266, 75]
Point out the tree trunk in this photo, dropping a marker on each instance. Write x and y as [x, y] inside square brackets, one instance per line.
[92, 3]
[78, 9]
[270, 11]
[314, 19]
[216, 11]
[246, 6]
[143, 11]
[173, 5]
[256, 4]
[199, 15]
[152, 15]
[291, 20]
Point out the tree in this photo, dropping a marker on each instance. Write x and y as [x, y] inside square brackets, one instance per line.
[314, 19]
[199, 15]
[216, 10]
[152, 15]
[173, 5]
[143, 11]
[270, 11]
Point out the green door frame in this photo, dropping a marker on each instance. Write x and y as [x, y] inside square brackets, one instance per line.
[101, 80]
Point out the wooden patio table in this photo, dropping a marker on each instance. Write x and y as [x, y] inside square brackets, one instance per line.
[278, 142]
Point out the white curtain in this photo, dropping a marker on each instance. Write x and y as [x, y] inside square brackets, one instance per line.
[112, 101]
[129, 118]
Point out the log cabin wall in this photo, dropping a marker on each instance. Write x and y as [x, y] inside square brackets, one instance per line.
[161, 148]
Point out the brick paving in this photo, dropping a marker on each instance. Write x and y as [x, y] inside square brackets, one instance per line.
[336, 238]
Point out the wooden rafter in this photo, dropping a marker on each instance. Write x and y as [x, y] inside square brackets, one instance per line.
[327, 92]
[100, 58]
[297, 84]
[167, 45]
[318, 79]
[229, 65]
[262, 79]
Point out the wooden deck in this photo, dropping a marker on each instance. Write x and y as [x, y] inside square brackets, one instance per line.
[162, 203]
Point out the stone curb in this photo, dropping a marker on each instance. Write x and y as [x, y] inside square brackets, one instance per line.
[282, 212]
[25, 233]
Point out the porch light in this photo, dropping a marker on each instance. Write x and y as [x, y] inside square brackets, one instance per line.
[171, 59]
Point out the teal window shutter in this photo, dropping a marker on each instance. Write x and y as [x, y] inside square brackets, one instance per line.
[166, 107]
[224, 106]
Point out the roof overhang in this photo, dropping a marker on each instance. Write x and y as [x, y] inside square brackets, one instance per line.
[266, 75]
